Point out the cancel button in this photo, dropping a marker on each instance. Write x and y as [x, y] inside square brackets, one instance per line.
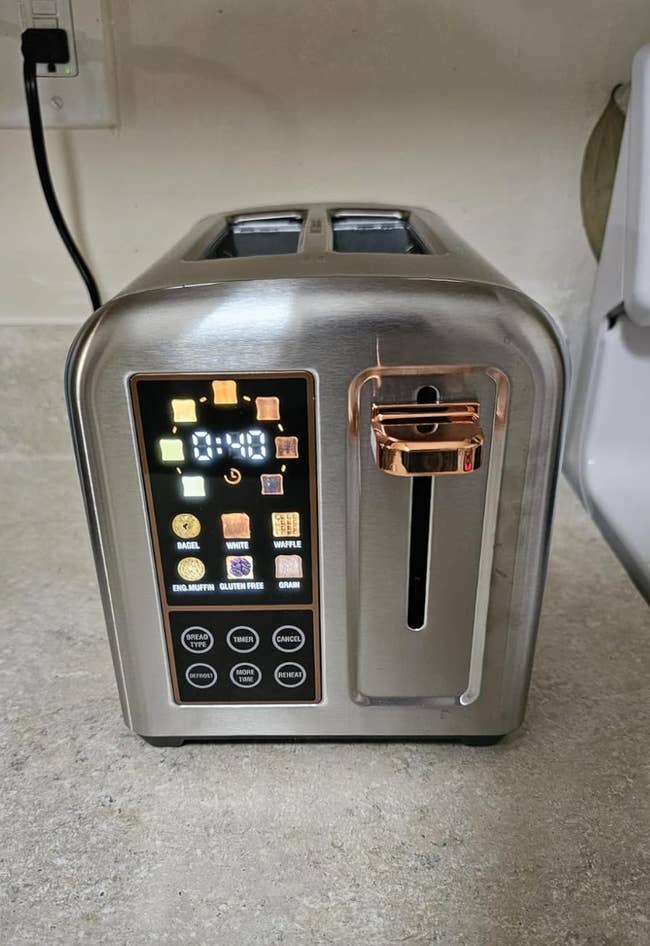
[290, 675]
[288, 638]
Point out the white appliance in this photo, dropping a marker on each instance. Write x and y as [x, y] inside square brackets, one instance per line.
[607, 455]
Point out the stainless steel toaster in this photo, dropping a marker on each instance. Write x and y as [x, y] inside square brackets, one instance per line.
[318, 448]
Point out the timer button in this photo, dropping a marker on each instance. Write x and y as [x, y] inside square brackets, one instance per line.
[242, 639]
[290, 675]
[186, 526]
[201, 676]
[245, 675]
[288, 638]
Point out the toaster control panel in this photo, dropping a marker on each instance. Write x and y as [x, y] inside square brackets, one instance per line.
[255, 656]
[229, 473]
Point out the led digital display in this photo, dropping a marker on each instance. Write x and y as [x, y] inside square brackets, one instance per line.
[229, 468]
[248, 446]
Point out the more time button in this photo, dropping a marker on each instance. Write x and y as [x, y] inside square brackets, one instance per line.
[245, 675]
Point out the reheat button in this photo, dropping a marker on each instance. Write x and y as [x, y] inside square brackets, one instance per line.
[290, 675]
[288, 638]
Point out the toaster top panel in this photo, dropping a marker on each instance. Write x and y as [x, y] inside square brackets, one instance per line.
[318, 240]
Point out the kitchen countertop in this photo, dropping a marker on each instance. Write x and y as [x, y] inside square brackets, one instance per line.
[106, 840]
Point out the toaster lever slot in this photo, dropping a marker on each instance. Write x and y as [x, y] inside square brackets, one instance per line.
[427, 439]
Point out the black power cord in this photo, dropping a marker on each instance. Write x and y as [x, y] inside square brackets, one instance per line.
[50, 46]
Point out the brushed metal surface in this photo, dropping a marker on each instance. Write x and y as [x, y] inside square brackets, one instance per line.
[393, 663]
[336, 327]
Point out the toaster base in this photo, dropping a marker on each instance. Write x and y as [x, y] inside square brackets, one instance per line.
[177, 741]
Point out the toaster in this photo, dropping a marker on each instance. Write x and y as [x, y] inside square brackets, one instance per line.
[318, 448]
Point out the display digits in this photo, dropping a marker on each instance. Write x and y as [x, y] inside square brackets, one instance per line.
[202, 449]
[238, 445]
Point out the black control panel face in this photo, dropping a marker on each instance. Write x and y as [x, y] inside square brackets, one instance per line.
[244, 657]
[229, 470]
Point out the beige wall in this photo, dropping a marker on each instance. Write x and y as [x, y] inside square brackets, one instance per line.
[478, 109]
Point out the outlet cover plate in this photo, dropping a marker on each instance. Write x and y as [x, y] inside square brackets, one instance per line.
[85, 100]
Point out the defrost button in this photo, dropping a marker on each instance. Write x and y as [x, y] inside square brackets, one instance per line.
[201, 676]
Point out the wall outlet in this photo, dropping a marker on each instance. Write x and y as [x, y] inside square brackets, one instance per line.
[51, 14]
[77, 94]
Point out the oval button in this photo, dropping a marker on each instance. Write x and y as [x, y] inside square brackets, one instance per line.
[245, 675]
[290, 675]
[288, 638]
[201, 676]
[242, 639]
[198, 640]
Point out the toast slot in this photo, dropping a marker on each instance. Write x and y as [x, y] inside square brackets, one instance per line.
[367, 232]
[421, 503]
[420, 534]
[258, 235]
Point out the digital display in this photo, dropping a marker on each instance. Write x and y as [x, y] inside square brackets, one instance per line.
[229, 472]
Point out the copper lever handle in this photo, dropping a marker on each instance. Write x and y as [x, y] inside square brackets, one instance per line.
[427, 439]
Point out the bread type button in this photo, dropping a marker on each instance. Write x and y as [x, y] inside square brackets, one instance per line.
[186, 526]
[236, 525]
[285, 524]
[198, 640]
[288, 566]
[191, 569]
[239, 567]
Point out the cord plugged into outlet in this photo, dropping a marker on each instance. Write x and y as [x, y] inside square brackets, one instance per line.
[49, 16]
[50, 47]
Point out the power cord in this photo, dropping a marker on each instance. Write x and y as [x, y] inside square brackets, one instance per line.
[50, 46]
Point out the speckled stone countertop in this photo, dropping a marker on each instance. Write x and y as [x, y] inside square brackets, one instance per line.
[105, 840]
